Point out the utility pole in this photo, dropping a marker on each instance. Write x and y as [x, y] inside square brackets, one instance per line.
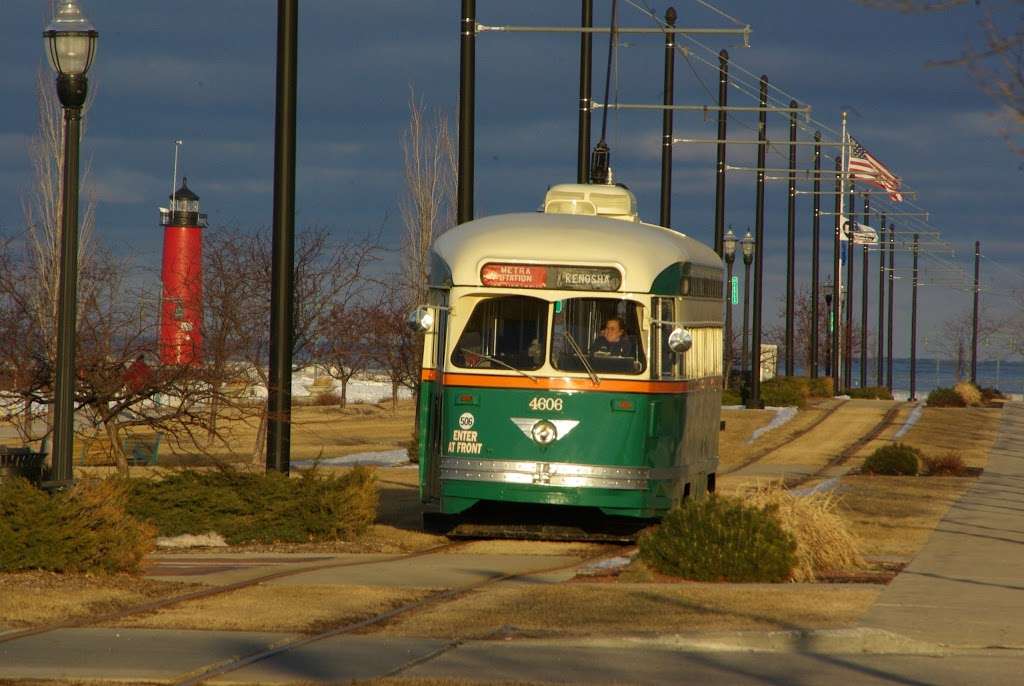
[791, 241]
[666, 122]
[864, 300]
[754, 399]
[913, 328]
[586, 61]
[815, 254]
[881, 301]
[892, 285]
[282, 306]
[467, 111]
[974, 318]
[837, 280]
[723, 101]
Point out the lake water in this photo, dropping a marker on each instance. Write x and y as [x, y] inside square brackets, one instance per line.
[1005, 375]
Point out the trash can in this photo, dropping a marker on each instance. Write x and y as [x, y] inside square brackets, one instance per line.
[21, 462]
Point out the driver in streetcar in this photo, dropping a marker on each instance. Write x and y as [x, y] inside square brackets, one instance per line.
[613, 340]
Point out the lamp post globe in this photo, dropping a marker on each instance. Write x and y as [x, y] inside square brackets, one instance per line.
[747, 245]
[729, 246]
[70, 43]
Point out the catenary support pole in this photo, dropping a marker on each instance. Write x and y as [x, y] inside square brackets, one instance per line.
[754, 398]
[864, 264]
[816, 255]
[837, 280]
[974, 317]
[723, 101]
[791, 243]
[729, 353]
[666, 122]
[913, 327]
[586, 64]
[880, 360]
[851, 218]
[467, 111]
[279, 393]
[892, 283]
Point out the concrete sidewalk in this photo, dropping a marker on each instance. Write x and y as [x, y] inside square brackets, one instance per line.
[966, 586]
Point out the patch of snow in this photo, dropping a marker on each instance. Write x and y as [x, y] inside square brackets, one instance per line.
[782, 415]
[611, 565]
[911, 420]
[379, 458]
[207, 540]
[821, 487]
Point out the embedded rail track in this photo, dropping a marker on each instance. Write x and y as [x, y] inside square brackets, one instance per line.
[202, 674]
[170, 601]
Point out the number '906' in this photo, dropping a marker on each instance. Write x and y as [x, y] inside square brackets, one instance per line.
[546, 404]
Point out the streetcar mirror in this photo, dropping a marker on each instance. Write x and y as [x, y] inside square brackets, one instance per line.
[680, 340]
[420, 320]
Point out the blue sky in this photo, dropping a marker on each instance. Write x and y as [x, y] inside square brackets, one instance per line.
[204, 72]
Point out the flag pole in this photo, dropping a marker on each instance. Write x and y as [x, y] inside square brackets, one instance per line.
[845, 169]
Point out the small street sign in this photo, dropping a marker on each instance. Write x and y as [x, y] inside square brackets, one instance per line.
[735, 290]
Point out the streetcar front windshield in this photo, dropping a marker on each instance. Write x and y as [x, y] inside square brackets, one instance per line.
[602, 333]
[508, 332]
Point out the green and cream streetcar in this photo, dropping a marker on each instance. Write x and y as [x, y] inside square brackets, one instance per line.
[572, 357]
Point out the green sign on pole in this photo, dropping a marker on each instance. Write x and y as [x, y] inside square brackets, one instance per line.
[831, 321]
[735, 290]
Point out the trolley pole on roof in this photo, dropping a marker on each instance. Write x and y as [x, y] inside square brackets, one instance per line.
[467, 109]
[815, 254]
[791, 241]
[913, 328]
[586, 63]
[837, 281]
[892, 283]
[881, 301]
[848, 323]
[666, 122]
[279, 391]
[754, 396]
[974, 318]
[864, 265]
[723, 101]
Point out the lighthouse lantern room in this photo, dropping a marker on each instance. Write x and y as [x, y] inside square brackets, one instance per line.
[181, 306]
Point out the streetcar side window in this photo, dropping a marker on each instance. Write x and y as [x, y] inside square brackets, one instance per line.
[602, 333]
[669, 362]
[509, 332]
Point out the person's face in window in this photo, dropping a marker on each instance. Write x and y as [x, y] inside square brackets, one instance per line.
[612, 331]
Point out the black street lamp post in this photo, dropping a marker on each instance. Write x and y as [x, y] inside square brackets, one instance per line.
[729, 252]
[70, 41]
[747, 245]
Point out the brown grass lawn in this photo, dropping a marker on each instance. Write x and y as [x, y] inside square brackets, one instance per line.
[278, 608]
[740, 425]
[637, 609]
[328, 431]
[32, 598]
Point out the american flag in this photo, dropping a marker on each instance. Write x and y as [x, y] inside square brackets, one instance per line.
[865, 167]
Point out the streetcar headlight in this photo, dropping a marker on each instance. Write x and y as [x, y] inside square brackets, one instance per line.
[680, 340]
[544, 432]
[420, 320]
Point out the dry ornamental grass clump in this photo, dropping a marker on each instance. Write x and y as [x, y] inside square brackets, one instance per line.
[824, 544]
[949, 464]
[970, 393]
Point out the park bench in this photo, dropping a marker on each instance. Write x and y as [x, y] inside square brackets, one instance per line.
[141, 449]
[21, 461]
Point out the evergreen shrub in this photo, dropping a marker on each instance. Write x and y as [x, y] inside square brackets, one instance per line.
[85, 529]
[258, 508]
[785, 391]
[896, 459]
[945, 397]
[820, 387]
[731, 397]
[720, 539]
[871, 393]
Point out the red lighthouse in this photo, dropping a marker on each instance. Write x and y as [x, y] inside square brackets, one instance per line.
[181, 307]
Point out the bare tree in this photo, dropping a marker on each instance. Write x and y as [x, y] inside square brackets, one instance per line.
[428, 203]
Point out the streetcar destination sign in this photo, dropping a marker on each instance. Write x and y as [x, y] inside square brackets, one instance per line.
[557, 276]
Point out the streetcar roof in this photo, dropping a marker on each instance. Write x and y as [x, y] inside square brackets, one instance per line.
[642, 251]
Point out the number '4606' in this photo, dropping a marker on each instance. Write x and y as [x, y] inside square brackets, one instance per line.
[546, 404]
